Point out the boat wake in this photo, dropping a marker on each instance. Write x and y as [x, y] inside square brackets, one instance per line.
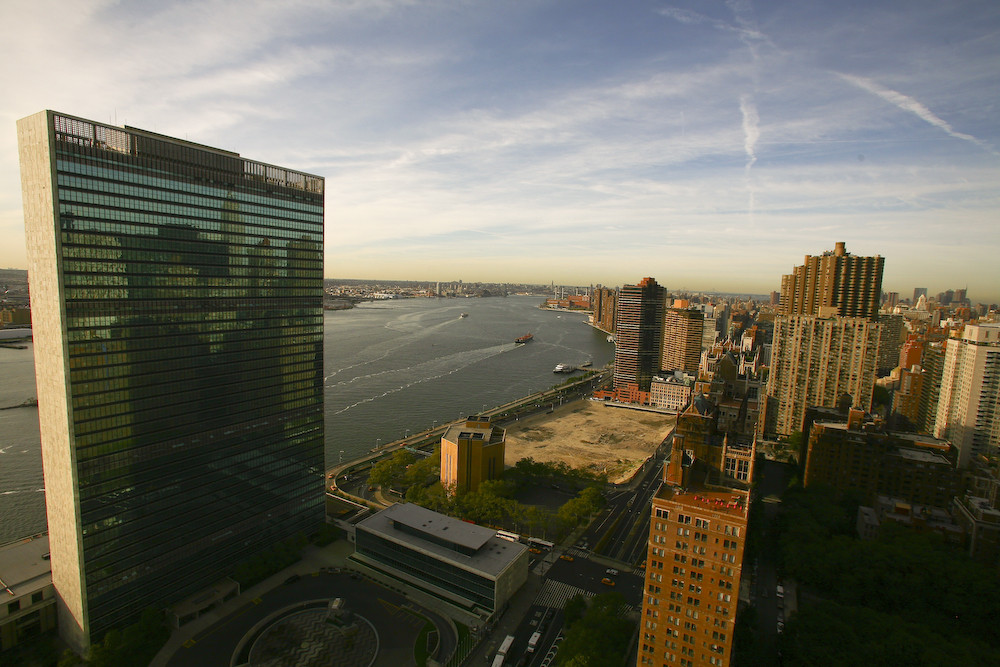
[423, 372]
[416, 333]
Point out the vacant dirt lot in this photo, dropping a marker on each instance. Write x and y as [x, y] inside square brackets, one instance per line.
[588, 434]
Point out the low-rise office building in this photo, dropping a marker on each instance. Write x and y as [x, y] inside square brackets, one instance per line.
[29, 600]
[463, 563]
[671, 392]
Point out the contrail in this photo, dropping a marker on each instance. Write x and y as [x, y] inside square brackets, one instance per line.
[751, 131]
[907, 103]
[751, 134]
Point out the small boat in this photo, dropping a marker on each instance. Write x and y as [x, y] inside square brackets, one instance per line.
[523, 339]
[463, 315]
[563, 368]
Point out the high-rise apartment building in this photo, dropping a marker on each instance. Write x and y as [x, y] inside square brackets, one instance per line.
[826, 338]
[683, 334]
[815, 361]
[604, 305]
[176, 297]
[932, 366]
[890, 343]
[471, 453]
[968, 410]
[638, 334]
[835, 283]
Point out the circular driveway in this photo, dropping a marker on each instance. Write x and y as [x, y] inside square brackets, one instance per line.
[396, 621]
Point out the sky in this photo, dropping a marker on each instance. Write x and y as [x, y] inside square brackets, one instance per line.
[708, 144]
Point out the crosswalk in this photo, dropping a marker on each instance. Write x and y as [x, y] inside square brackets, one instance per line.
[556, 593]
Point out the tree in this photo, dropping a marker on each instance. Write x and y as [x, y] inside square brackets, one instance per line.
[574, 609]
[387, 471]
[600, 637]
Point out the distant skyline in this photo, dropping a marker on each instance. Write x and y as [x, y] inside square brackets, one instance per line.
[708, 145]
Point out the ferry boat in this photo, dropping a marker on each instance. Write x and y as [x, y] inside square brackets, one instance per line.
[563, 368]
[523, 339]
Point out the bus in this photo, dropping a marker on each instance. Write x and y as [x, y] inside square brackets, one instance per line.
[541, 544]
[505, 645]
[510, 537]
[498, 660]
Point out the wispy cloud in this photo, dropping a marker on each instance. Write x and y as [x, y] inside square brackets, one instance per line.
[744, 29]
[436, 121]
[907, 103]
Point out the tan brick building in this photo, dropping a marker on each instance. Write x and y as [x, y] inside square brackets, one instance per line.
[693, 565]
[471, 453]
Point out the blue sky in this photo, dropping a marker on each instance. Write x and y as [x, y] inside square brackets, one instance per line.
[708, 144]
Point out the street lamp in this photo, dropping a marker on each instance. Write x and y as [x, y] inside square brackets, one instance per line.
[341, 455]
[378, 442]
[407, 434]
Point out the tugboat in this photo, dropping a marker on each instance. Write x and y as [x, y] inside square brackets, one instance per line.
[521, 340]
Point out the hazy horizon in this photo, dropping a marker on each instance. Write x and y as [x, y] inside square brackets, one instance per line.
[569, 141]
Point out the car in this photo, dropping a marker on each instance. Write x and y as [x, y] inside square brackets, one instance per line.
[534, 550]
[612, 571]
[608, 582]
[292, 579]
[565, 557]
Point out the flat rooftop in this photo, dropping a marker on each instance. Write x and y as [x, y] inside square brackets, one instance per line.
[22, 566]
[913, 439]
[489, 435]
[733, 502]
[489, 554]
[922, 456]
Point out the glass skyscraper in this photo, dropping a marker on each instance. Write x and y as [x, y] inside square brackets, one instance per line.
[176, 296]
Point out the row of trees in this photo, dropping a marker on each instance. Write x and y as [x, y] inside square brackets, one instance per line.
[907, 597]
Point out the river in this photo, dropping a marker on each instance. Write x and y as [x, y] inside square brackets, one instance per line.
[391, 367]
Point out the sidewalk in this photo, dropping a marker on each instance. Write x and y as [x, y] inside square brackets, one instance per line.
[313, 558]
[518, 609]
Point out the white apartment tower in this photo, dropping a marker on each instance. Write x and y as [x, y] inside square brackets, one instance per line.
[968, 412]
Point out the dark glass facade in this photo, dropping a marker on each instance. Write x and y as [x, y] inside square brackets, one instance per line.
[639, 334]
[192, 286]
